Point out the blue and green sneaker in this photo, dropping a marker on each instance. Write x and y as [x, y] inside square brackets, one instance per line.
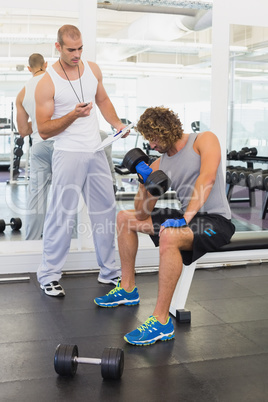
[118, 296]
[150, 332]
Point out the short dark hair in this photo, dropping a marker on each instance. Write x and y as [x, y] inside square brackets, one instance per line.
[68, 30]
[161, 124]
[36, 60]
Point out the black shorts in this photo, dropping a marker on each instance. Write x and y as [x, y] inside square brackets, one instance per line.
[211, 231]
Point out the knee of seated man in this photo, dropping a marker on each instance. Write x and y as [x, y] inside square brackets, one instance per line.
[180, 238]
[123, 217]
[168, 239]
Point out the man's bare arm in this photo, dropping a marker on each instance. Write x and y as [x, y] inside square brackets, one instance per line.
[23, 123]
[207, 145]
[144, 202]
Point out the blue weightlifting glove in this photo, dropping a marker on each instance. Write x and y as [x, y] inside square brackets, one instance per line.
[175, 223]
[144, 171]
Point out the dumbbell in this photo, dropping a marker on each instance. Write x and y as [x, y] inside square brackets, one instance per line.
[232, 155]
[15, 224]
[19, 141]
[261, 178]
[265, 182]
[235, 175]
[243, 176]
[18, 152]
[16, 163]
[66, 361]
[247, 152]
[251, 179]
[229, 171]
[157, 182]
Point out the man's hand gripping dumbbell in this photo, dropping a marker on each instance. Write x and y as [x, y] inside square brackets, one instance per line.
[157, 183]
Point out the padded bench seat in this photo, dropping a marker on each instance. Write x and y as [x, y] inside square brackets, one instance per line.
[247, 241]
[240, 242]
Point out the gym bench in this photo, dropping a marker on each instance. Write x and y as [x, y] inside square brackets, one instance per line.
[242, 245]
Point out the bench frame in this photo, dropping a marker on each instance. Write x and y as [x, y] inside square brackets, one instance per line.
[221, 258]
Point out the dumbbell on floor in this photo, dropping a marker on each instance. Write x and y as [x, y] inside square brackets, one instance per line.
[66, 361]
[157, 182]
[15, 224]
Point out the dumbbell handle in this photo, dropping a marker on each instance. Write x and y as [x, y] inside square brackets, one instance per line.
[87, 360]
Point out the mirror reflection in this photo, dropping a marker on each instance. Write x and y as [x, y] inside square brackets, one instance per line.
[172, 69]
[247, 144]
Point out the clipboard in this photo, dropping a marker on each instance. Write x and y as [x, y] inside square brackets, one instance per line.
[112, 138]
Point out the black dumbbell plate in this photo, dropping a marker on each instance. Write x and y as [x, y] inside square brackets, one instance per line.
[112, 363]
[2, 225]
[64, 360]
[133, 157]
[157, 183]
[15, 223]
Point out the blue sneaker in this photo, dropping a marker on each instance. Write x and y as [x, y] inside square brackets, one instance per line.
[118, 296]
[150, 332]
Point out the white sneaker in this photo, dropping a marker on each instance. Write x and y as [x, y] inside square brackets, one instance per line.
[53, 289]
[112, 281]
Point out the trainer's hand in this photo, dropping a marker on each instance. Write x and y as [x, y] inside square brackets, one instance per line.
[127, 134]
[120, 128]
[83, 109]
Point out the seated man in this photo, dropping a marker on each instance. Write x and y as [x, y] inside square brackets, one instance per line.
[193, 163]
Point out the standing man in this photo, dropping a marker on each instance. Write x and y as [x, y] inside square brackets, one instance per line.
[41, 151]
[66, 100]
[193, 163]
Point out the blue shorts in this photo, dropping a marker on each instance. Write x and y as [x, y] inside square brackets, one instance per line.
[211, 231]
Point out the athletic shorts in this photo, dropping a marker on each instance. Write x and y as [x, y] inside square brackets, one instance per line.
[211, 231]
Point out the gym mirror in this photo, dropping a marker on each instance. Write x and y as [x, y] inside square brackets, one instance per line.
[247, 143]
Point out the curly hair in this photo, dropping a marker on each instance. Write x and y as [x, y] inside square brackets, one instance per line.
[161, 124]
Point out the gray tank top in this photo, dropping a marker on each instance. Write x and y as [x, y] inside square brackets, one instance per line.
[183, 180]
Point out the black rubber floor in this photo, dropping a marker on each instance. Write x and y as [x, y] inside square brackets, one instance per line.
[221, 356]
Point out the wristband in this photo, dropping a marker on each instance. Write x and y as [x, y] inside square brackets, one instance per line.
[175, 223]
[144, 170]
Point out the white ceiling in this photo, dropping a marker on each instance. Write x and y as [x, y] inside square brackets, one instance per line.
[135, 39]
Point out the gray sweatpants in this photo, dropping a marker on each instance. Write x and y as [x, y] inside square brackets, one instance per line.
[38, 188]
[73, 173]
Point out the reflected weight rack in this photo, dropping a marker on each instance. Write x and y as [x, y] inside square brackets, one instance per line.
[253, 179]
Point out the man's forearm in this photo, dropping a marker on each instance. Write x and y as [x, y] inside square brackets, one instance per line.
[25, 130]
[199, 196]
[143, 203]
[108, 111]
[51, 128]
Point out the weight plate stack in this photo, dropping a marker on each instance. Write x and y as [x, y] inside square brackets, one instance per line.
[64, 360]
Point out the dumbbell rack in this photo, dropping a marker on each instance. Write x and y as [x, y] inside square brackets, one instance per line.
[251, 198]
[18, 180]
